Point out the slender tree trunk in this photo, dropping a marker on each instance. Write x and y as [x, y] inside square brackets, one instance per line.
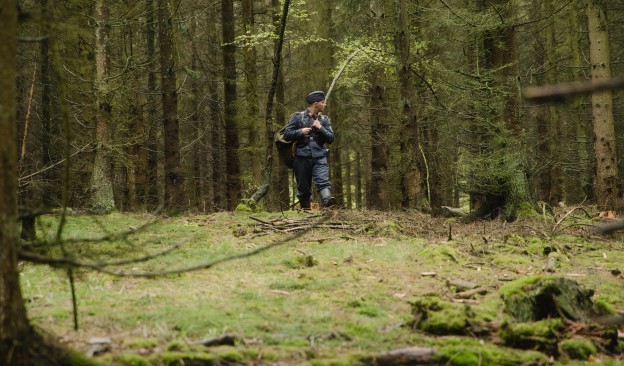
[555, 194]
[280, 29]
[137, 153]
[608, 186]
[174, 181]
[14, 325]
[579, 181]
[215, 173]
[377, 187]
[233, 178]
[198, 126]
[509, 190]
[152, 195]
[102, 201]
[348, 182]
[253, 121]
[216, 131]
[411, 177]
[49, 192]
[283, 173]
[359, 168]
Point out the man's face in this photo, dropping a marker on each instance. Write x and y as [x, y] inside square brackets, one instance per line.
[320, 106]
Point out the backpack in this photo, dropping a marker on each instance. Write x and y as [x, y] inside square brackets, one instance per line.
[286, 149]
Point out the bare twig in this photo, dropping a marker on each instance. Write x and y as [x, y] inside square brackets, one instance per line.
[558, 93]
[71, 264]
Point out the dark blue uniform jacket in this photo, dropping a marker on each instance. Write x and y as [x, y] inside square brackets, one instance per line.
[313, 145]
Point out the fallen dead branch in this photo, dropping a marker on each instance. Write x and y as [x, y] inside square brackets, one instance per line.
[288, 225]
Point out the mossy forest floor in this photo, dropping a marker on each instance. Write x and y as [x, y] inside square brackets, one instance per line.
[337, 293]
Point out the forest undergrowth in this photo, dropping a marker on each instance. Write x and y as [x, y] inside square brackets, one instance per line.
[334, 288]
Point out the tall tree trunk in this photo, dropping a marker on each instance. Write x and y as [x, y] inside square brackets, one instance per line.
[233, 184]
[14, 325]
[359, 169]
[608, 187]
[348, 182]
[137, 152]
[282, 185]
[510, 188]
[377, 185]
[199, 129]
[174, 181]
[253, 121]
[152, 195]
[555, 194]
[102, 201]
[579, 181]
[215, 172]
[280, 29]
[411, 177]
[49, 192]
[218, 201]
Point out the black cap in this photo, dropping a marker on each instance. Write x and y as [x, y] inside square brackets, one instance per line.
[315, 96]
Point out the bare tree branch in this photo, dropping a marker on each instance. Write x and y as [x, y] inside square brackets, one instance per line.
[102, 267]
[559, 93]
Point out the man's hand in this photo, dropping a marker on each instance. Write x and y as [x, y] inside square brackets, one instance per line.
[316, 124]
[306, 130]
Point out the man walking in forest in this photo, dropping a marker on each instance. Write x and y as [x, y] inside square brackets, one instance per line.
[311, 131]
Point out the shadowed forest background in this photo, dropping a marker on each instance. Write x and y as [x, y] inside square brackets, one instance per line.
[112, 110]
[167, 102]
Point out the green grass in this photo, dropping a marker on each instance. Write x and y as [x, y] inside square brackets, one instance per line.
[350, 300]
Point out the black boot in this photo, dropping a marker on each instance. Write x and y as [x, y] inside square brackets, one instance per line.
[305, 204]
[326, 198]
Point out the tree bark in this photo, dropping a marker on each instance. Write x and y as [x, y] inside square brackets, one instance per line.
[233, 178]
[277, 57]
[174, 180]
[14, 325]
[411, 177]
[608, 187]
[152, 195]
[253, 123]
[102, 200]
[377, 187]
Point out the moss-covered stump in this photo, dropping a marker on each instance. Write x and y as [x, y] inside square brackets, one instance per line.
[536, 298]
[432, 315]
[542, 335]
[577, 349]
[548, 310]
[468, 352]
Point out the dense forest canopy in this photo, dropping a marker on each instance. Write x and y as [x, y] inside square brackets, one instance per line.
[166, 102]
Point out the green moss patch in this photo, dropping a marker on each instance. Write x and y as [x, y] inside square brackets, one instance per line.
[432, 315]
[537, 298]
[577, 349]
[542, 335]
